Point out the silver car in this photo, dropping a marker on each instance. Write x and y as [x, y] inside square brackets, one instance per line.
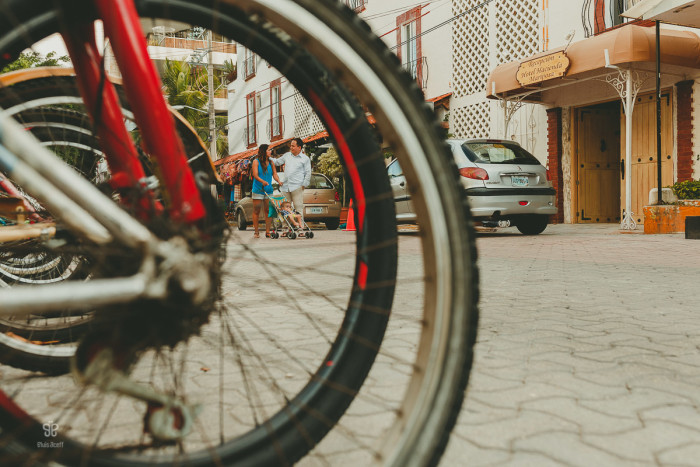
[505, 184]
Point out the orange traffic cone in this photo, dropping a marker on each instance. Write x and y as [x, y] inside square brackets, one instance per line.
[350, 222]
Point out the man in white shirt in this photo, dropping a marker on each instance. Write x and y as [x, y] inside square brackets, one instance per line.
[297, 171]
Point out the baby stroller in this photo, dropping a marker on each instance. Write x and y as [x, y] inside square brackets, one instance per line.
[281, 226]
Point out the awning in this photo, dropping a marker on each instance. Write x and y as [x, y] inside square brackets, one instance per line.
[441, 101]
[253, 151]
[247, 153]
[627, 45]
[681, 12]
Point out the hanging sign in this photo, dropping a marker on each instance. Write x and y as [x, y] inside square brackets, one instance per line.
[542, 68]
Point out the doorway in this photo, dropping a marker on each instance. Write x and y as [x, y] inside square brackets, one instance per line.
[597, 174]
[643, 163]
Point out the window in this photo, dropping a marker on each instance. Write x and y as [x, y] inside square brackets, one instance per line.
[408, 31]
[357, 5]
[248, 64]
[409, 49]
[275, 110]
[497, 153]
[251, 127]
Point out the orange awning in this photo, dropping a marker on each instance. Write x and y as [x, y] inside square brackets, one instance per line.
[253, 151]
[627, 45]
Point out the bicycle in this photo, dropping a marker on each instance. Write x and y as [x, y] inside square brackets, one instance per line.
[47, 102]
[157, 287]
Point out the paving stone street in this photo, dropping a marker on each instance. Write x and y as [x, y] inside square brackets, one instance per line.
[587, 351]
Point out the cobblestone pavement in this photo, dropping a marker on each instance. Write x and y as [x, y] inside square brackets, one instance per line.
[587, 351]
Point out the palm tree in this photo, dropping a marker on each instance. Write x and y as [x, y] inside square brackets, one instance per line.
[187, 88]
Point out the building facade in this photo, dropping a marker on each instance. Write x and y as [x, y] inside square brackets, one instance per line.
[575, 123]
[599, 146]
[264, 108]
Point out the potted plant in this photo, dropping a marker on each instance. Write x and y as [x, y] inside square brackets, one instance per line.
[670, 217]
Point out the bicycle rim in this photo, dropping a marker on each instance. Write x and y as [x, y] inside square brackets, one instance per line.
[343, 50]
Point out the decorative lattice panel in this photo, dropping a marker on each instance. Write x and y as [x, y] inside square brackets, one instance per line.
[470, 48]
[517, 29]
[306, 122]
[471, 121]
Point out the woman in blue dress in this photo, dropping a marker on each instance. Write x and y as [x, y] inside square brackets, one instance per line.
[263, 171]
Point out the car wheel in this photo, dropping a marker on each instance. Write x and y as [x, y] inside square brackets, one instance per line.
[332, 224]
[532, 225]
[240, 220]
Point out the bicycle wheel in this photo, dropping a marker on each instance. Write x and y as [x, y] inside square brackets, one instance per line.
[265, 416]
[45, 342]
[47, 103]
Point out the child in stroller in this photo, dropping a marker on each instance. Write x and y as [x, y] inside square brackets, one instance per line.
[287, 220]
[290, 214]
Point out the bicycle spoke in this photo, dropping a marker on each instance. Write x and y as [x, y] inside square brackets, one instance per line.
[291, 333]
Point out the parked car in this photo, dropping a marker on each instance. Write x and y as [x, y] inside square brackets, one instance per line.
[321, 204]
[505, 184]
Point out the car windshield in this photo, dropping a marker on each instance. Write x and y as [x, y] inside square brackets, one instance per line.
[318, 182]
[498, 153]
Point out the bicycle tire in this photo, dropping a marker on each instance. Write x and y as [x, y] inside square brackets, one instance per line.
[46, 104]
[448, 241]
[39, 343]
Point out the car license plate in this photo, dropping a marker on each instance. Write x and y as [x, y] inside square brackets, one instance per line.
[518, 181]
[315, 210]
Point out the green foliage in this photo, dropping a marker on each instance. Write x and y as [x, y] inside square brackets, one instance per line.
[445, 132]
[230, 71]
[188, 86]
[329, 164]
[33, 60]
[690, 189]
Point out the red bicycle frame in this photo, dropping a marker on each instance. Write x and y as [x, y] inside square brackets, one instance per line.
[143, 89]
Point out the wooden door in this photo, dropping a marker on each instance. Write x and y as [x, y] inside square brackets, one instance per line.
[597, 174]
[644, 171]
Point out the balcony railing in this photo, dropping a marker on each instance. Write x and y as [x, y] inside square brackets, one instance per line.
[185, 43]
[357, 5]
[251, 134]
[418, 69]
[275, 127]
[598, 16]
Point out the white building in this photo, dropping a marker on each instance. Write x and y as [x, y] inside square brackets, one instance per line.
[601, 155]
[465, 55]
[263, 107]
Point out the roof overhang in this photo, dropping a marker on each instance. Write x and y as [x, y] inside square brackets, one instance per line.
[630, 46]
[681, 12]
